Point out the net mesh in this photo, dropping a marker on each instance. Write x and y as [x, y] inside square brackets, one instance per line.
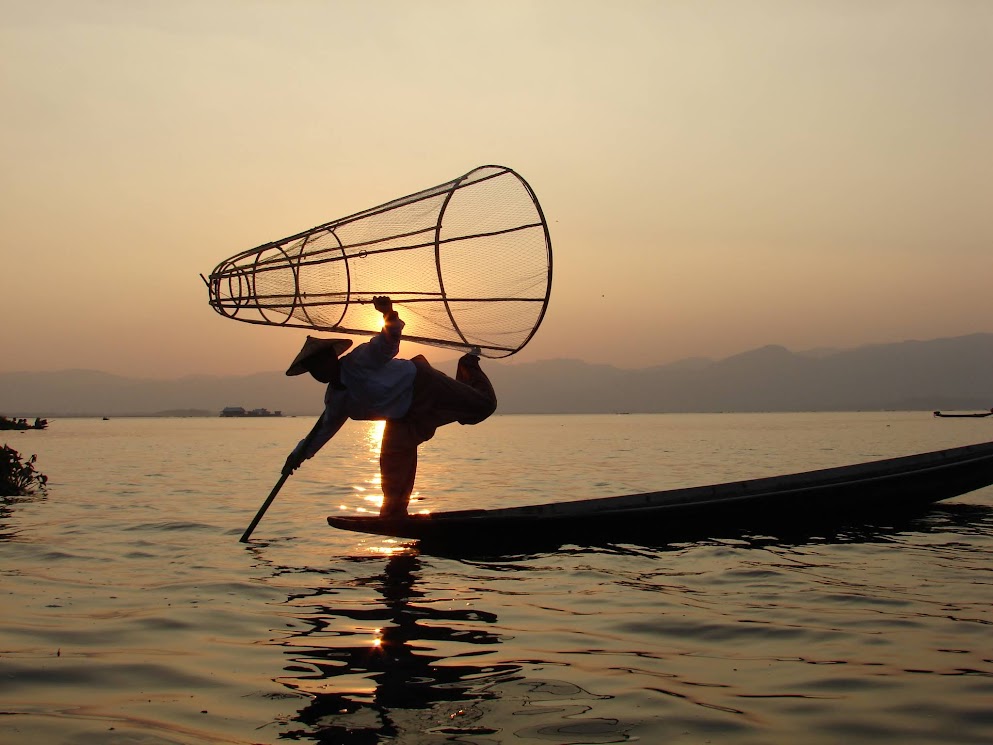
[467, 263]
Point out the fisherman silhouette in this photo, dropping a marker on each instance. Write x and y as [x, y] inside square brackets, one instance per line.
[371, 383]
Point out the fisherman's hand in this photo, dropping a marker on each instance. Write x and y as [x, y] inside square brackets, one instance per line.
[293, 462]
[383, 304]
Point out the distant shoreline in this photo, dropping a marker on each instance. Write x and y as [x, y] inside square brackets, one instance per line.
[936, 375]
[211, 415]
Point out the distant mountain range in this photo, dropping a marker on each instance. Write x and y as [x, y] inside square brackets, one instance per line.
[953, 373]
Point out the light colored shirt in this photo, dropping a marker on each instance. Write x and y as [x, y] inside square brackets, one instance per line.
[377, 386]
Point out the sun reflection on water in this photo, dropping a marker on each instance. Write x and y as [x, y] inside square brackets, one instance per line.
[369, 494]
[374, 436]
[391, 548]
[374, 485]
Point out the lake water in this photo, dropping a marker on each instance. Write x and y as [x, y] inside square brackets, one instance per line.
[132, 614]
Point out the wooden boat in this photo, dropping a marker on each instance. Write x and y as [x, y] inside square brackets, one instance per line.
[978, 415]
[882, 488]
[22, 424]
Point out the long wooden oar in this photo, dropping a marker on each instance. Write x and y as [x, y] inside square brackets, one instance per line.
[272, 495]
[275, 490]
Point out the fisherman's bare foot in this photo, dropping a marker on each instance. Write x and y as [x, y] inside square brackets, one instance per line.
[471, 357]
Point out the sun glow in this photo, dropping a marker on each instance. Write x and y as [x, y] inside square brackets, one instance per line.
[374, 436]
[378, 320]
[387, 550]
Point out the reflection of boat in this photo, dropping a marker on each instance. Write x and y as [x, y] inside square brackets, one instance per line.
[978, 415]
[881, 487]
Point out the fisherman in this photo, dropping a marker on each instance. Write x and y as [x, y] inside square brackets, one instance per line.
[370, 383]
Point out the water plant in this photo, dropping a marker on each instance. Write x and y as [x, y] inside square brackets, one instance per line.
[19, 477]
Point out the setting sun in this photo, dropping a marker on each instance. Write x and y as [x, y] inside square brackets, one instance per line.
[377, 320]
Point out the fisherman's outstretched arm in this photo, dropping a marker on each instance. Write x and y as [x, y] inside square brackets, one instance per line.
[386, 344]
[324, 429]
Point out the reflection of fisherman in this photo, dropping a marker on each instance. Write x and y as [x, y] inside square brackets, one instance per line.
[412, 691]
[413, 398]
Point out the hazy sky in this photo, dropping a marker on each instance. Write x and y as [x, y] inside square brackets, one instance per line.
[717, 175]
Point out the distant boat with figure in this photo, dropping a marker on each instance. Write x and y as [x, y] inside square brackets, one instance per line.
[22, 424]
[964, 415]
[241, 411]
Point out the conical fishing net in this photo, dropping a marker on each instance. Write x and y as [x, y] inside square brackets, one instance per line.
[466, 263]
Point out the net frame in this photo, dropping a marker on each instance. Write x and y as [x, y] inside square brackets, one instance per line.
[238, 285]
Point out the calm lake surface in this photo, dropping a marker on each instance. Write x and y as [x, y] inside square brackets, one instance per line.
[132, 614]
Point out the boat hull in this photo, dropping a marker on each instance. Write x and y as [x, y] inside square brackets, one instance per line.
[862, 491]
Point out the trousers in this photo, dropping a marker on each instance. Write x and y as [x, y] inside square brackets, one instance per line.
[437, 400]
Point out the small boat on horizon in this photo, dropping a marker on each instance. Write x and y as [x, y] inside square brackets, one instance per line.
[963, 415]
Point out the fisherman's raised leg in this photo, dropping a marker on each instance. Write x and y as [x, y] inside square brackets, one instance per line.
[477, 408]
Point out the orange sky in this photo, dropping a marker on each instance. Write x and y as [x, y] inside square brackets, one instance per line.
[717, 175]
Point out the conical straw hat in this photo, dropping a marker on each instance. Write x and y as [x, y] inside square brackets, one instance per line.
[313, 346]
